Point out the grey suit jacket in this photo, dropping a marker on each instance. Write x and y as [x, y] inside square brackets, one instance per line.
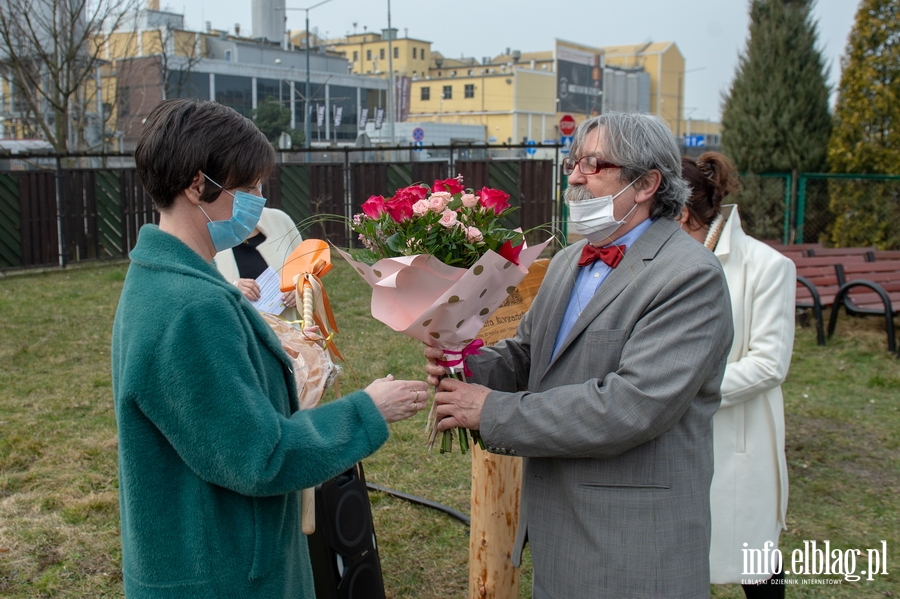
[616, 430]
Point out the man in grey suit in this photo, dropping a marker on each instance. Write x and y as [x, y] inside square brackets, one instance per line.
[610, 384]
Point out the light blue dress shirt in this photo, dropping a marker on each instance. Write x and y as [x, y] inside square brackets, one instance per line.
[588, 280]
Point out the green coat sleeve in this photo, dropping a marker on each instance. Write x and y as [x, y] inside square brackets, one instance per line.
[223, 407]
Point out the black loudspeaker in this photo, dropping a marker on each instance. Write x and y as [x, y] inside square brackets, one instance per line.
[343, 553]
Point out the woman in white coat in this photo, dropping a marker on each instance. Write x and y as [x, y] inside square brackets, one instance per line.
[270, 243]
[750, 485]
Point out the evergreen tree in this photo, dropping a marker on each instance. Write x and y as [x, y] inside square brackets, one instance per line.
[775, 116]
[272, 119]
[866, 136]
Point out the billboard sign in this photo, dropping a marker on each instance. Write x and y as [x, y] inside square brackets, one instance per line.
[579, 78]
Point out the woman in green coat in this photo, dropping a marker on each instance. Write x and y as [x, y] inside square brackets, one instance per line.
[212, 448]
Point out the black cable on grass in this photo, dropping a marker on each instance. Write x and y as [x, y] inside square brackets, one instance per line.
[426, 502]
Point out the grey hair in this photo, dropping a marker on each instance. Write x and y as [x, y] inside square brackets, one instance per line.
[640, 143]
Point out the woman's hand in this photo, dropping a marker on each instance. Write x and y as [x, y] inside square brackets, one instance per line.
[397, 400]
[289, 299]
[249, 287]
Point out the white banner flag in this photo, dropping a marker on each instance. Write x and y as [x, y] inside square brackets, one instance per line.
[363, 118]
[379, 117]
[338, 112]
[320, 109]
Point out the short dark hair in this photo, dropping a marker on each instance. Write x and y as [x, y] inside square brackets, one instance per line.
[183, 136]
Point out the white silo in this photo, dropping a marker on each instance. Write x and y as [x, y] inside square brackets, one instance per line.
[269, 20]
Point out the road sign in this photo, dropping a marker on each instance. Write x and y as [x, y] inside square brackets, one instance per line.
[567, 125]
[418, 146]
[694, 141]
[418, 134]
[530, 150]
[566, 142]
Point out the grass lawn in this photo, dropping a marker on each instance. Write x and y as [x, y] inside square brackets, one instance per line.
[58, 490]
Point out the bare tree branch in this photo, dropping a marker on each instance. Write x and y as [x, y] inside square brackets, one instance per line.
[50, 50]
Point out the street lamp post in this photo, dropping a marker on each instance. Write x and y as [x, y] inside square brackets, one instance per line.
[306, 127]
[391, 99]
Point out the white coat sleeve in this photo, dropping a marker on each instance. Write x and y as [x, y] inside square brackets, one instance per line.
[771, 343]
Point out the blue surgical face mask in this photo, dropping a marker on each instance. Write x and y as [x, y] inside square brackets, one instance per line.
[245, 213]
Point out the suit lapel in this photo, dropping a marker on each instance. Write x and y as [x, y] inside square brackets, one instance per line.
[626, 273]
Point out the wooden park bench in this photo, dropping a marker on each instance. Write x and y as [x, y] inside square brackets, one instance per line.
[801, 247]
[817, 286]
[868, 288]
[867, 252]
[887, 255]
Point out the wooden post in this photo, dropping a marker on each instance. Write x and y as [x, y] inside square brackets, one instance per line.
[496, 479]
[496, 484]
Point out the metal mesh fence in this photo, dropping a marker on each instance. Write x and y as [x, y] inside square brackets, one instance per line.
[849, 210]
[837, 210]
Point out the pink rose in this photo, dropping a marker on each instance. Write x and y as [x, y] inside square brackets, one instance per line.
[451, 186]
[448, 218]
[474, 235]
[438, 201]
[469, 200]
[494, 199]
[374, 206]
[420, 208]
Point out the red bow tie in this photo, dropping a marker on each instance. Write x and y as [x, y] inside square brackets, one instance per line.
[610, 255]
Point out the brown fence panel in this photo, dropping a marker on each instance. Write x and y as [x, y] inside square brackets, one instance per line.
[79, 215]
[37, 209]
[475, 173]
[536, 187]
[103, 210]
[366, 180]
[137, 208]
[429, 172]
[327, 191]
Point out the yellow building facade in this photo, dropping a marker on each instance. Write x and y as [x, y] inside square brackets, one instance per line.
[665, 65]
[514, 95]
[374, 53]
[513, 104]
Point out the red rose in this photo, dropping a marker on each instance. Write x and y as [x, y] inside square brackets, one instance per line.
[494, 199]
[412, 194]
[400, 208]
[374, 206]
[450, 185]
[511, 253]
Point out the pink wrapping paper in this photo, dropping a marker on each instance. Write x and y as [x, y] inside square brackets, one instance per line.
[442, 306]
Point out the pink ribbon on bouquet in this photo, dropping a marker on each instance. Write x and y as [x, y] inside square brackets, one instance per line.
[469, 350]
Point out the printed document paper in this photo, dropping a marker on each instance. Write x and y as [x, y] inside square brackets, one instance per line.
[269, 293]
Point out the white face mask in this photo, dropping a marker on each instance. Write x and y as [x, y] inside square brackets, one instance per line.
[595, 218]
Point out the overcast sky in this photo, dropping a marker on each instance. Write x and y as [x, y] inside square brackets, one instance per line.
[710, 33]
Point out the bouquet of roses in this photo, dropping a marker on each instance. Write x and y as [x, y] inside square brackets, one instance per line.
[439, 262]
